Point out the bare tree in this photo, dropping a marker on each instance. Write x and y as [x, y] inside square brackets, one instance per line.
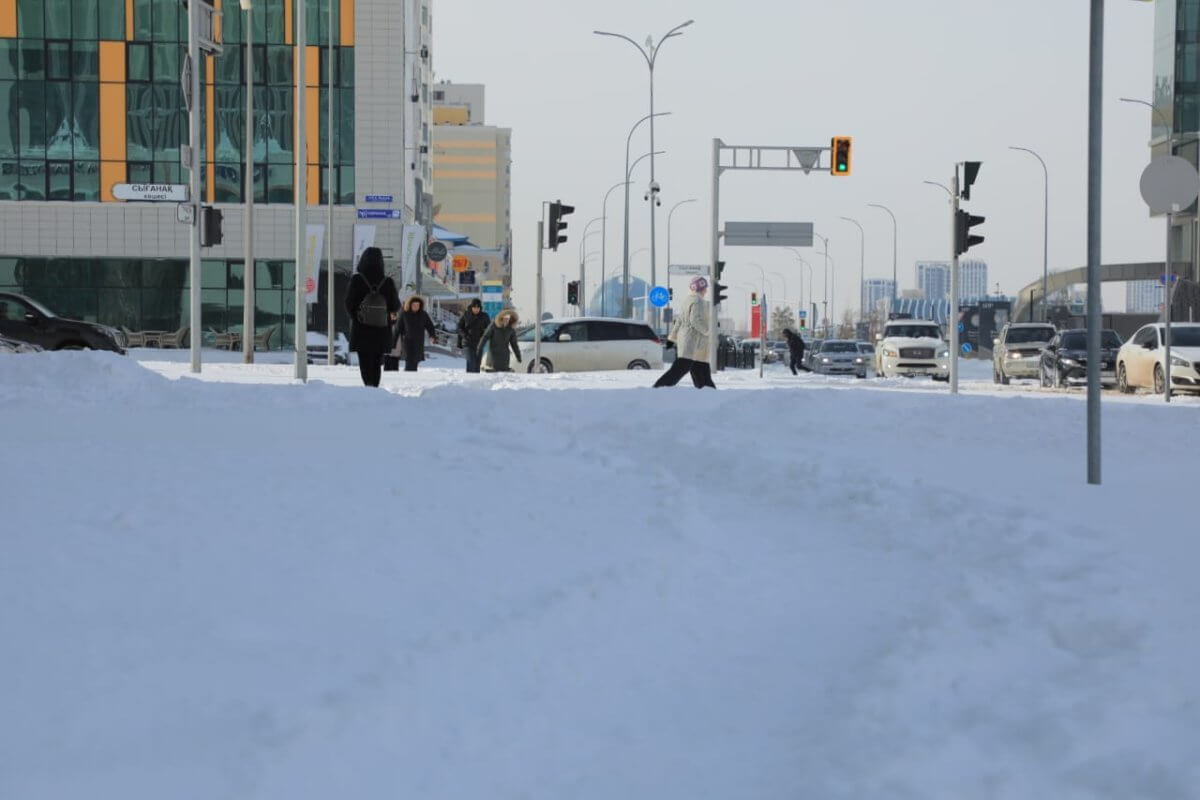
[782, 317]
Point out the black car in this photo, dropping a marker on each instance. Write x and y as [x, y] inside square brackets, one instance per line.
[26, 320]
[1065, 357]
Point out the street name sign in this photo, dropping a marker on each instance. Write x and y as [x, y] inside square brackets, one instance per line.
[379, 213]
[768, 234]
[152, 192]
[688, 269]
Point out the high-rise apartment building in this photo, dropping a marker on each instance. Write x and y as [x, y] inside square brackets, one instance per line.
[1143, 297]
[91, 97]
[933, 279]
[972, 280]
[876, 290]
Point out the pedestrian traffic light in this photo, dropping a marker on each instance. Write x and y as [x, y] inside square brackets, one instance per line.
[970, 171]
[557, 211]
[211, 231]
[718, 287]
[840, 163]
[670, 293]
[573, 293]
[964, 240]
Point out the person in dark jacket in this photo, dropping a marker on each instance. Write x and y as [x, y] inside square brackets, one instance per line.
[414, 323]
[795, 345]
[471, 327]
[501, 335]
[369, 341]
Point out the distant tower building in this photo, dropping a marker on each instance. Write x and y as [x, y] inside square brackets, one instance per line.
[876, 289]
[933, 279]
[1143, 297]
[972, 280]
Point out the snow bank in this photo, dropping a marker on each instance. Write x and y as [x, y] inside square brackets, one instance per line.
[273, 591]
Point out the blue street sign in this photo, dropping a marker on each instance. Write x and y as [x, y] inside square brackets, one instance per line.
[961, 327]
[379, 198]
[379, 213]
[966, 348]
[1163, 278]
[802, 314]
[659, 296]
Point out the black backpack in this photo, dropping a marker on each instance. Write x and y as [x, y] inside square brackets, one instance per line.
[373, 310]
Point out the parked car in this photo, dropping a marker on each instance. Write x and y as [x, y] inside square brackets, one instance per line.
[26, 320]
[1064, 358]
[1141, 362]
[1017, 351]
[840, 357]
[318, 348]
[593, 343]
[16, 346]
[910, 347]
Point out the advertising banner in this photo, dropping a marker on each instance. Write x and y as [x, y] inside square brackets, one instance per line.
[314, 240]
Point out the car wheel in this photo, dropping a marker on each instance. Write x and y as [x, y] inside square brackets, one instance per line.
[638, 364]
[1160, 381]
[995, 375]
[546, 366]
[1044, 379]
[1058, 379]
[861, 375]
[1004, 379]
[72, 346]
[1123, 380]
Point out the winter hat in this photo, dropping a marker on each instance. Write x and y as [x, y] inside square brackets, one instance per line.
[475, 304]
[699, 283]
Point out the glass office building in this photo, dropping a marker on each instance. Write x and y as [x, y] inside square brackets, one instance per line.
[90, 96]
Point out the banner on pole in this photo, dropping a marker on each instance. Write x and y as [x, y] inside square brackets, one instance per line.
[364, 237]
[410, 251]
[314, 239]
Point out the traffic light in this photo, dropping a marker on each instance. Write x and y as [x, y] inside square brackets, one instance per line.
[803, 323]
[754, 298]
[718, 288]
[840, 163]
[670, 293]
[211, 231]
[557, 211]
[970, 171]
[573, 293]
[964, 240]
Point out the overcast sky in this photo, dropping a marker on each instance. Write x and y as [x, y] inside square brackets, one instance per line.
[918, 84]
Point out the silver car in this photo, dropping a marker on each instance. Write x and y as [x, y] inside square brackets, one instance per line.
[839, 357]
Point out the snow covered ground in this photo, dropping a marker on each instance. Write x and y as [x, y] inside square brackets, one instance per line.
[574, 586]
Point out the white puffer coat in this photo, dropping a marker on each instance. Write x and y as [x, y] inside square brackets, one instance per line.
[691, 340]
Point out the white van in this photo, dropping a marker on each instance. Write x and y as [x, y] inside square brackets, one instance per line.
[592, 343]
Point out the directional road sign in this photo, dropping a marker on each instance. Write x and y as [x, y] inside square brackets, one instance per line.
[379, 198]
[769, 234]
[659, 296]
[688, 269]
[153, 192]
[379, 213]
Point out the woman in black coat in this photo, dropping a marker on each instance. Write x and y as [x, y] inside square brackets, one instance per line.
[370, 341]
[414, 323]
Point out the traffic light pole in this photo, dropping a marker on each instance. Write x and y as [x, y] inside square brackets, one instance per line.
[716, 252]
[195, 58]
[952, 318]
[536, 366]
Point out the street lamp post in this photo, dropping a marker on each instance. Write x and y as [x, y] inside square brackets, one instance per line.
[626, 310]
[1045, 227]
[604, 243]
[582, 268]
[670, 214]
[762, 318]
[650, 53]
[895, 283]
[825, 281]
[804, 263]
[248, 282]
[862, 256]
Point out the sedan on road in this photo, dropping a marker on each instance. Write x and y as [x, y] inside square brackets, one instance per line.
[839, 357]
[1141, 362]
[27, 320]
[1065, 357]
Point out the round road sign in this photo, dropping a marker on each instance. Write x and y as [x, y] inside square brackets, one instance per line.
[436, 251]
[1169, 184]
[659, 296]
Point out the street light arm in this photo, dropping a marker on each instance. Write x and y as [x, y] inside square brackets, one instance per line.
[639, 158]
[942, 186]
[885, 208]
[1035, 155]
[676, 31]
[856, 222]
[640, 49]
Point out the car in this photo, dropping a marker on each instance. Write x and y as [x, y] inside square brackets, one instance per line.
[839, 357]
[1017, 351]
[26, 320]
[318, 348]
[16, 346]
[1065, 357]
[592, 343]
[811, 348]
[1141, 361]
[867, 351]
[912, 347]
[780, 349]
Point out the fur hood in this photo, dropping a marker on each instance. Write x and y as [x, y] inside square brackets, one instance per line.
[507, 314]
[416, 298]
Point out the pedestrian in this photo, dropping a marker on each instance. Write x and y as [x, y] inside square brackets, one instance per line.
[414, 324]
[471, 327]
[795, 343]
[690, 332]
[372, 303]
[498, 338]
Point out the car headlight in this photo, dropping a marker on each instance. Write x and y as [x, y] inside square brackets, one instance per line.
[860, 360]
[890, 353]
[1070, 362]
[825, 360]
[944, 354]
[1176, 361]
[1014, 355]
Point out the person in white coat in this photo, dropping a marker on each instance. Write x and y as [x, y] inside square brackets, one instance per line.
[689, 332]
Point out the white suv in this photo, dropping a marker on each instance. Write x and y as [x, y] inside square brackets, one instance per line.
[1017, 351]
[593, 343]
[912, 347]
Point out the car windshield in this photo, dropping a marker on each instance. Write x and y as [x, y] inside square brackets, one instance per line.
[914, 331]
[839, 347]
[1029, 335]
[1078, 340]
[865, 347]
[549, 331]
[41, 308]
[1183, 337]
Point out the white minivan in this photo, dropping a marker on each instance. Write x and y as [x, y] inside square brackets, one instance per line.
[593, 343]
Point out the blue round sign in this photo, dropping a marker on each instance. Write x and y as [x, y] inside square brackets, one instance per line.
[966, 348]
[961, 327]
[659, 296]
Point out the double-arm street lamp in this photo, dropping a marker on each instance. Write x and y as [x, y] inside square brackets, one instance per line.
[650, 53]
